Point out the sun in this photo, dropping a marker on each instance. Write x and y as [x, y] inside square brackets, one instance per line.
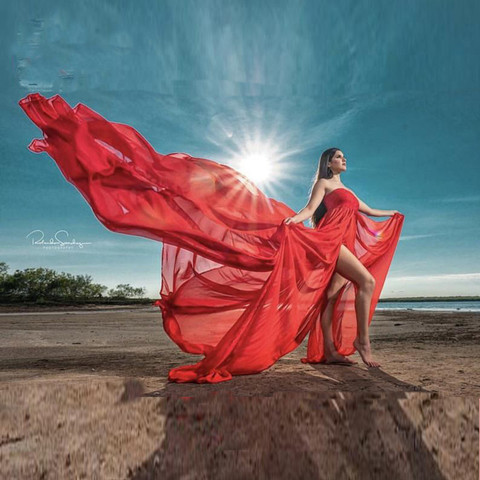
[259, 161]
[256, 166]
[264, 162]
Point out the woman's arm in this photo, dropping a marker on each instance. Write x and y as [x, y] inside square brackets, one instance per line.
[318, 192]
[373, 212]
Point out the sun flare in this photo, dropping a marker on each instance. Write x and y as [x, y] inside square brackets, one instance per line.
[264, 161]
[256, 166]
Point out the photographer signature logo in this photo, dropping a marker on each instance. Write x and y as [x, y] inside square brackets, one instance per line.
[58, 241]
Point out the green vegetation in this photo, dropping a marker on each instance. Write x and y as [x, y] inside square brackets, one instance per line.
[46, 286]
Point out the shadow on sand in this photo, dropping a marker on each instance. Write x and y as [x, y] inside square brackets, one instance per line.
[289, 436]
[319, 423]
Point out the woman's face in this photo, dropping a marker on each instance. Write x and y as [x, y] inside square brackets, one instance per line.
[338, 163]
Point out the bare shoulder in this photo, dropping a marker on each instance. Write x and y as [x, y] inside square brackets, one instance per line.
[322, 182]
[351, 191]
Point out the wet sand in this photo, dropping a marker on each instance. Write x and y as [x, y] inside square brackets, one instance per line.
[85, 392]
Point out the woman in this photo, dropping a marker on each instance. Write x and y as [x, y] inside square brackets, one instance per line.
[332, 164]
[239, 285]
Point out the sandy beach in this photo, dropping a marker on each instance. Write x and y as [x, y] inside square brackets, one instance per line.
[84, 394]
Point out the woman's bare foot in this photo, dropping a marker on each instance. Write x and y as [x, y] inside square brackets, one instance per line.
[365, 352]
[332, 356]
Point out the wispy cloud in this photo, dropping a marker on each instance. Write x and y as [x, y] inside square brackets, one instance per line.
[414, 237]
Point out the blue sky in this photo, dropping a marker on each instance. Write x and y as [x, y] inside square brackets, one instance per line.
[394, 84]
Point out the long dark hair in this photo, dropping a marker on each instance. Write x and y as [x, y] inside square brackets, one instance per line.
[323, 171]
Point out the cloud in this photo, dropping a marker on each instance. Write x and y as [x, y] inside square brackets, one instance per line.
[414, 237]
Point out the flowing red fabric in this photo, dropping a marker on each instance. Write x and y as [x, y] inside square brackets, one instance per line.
[239, 286]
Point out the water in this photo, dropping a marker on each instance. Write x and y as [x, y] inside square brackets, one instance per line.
[446, 306]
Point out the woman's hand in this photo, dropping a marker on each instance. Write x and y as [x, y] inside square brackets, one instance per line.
[289, 220]
[394, 212]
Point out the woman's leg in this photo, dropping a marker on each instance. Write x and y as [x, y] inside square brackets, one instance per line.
[349, 266]
[331, 354]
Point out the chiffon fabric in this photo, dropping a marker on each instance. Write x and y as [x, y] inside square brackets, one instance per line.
[239, 286]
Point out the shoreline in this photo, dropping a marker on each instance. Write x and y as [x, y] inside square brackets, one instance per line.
[6, 310]
[407, 309]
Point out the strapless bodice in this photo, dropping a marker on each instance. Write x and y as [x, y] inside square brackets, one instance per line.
[340, 197]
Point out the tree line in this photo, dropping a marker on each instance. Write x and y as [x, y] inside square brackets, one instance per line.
[44, 285]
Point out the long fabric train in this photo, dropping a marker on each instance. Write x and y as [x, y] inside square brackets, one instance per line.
[239, 286]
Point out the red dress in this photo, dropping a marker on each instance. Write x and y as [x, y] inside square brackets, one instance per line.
[239, 286]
